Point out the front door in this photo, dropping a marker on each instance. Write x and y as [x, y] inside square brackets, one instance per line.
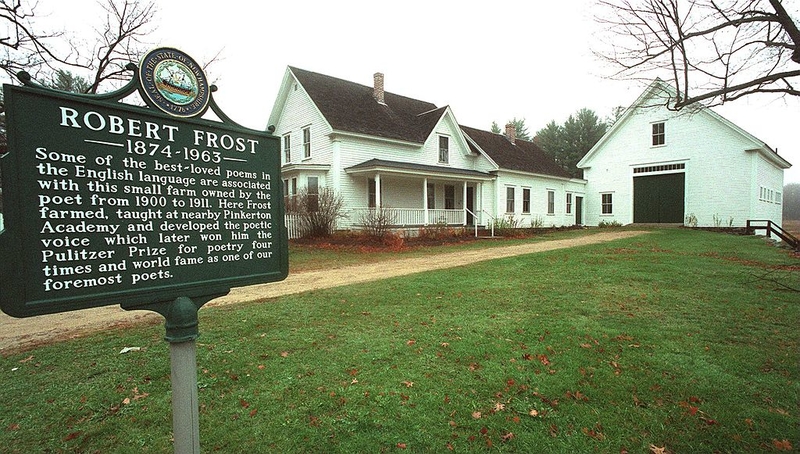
[470, 205]
[578, 210]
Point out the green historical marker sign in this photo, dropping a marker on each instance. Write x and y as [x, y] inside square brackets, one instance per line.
[108, 203]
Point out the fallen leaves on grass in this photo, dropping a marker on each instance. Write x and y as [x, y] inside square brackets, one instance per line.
[782, 445]
[577, 395]
[594, 433]
[72, 436]
[543, 359]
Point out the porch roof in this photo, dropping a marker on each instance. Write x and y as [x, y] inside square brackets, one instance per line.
[420, 170]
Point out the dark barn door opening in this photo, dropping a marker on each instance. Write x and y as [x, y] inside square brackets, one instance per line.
[659, 198]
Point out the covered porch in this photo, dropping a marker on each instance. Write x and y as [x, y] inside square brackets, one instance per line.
[416, 195]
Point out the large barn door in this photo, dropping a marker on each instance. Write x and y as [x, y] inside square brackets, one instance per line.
[658, 198]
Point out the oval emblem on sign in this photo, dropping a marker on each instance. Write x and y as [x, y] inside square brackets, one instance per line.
[174, 83]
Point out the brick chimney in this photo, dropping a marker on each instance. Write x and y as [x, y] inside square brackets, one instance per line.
[511, 132]
[377, 92]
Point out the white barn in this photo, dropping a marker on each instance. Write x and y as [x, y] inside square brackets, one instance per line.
[694, 167]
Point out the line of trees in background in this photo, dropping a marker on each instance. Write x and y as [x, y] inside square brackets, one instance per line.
[566, 143]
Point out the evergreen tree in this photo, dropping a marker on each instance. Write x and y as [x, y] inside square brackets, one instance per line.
[570, 142]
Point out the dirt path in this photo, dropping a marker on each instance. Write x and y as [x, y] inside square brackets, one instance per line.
[18, 334]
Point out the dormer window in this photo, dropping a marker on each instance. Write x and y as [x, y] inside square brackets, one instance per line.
[444, 150]
[659, 138]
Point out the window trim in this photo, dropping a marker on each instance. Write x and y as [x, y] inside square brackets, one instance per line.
[444, 152]
[307, 142]
[510, 190]
[569, 203]
[287, 148]
[658, 134]
[313, 196]
[526, 200]
[604, 204]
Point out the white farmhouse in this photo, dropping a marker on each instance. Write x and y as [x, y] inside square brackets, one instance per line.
[381, 150]
[656, 165]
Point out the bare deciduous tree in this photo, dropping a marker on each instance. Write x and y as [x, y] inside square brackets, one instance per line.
[119, 40]
[712, 51]
[25, 47]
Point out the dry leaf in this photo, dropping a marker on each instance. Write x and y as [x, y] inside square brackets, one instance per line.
[782, 445]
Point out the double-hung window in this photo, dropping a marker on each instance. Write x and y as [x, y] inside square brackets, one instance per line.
[287, 148]
[607, 203]
[431, 196]
[312, 191]
[569, 203]
[509, 200]
[551, 202]
[307, 142]
[526, 200]
[659, 137]
[444, 150]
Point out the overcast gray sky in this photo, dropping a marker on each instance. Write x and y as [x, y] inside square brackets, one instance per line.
[490, 61]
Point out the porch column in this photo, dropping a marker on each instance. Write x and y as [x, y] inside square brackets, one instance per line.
[479, 202]
[377, 190]
[425, 201]
[464, 202]
[336, 166]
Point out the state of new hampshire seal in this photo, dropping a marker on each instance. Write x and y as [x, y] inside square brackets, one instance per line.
[174, 83]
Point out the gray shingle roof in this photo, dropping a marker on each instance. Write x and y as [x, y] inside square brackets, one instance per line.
[521, 155]
[350, 107]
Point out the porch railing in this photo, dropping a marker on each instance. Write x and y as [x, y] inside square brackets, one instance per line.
[402, 217]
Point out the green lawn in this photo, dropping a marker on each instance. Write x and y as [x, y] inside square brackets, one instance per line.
[672, 340]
